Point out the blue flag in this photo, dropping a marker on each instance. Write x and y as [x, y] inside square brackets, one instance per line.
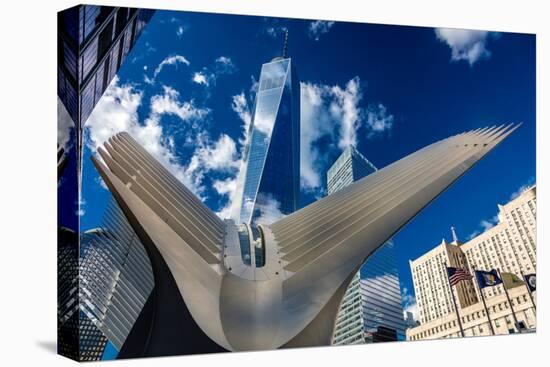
[487, 278]
[531, 280]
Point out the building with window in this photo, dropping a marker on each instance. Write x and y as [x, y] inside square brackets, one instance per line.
[78, 337]
[509, 246]
[269, 179]
[350, 166]
[431, 287]
[475, 322]
[371, 310]
[116, 277]
[93, 42]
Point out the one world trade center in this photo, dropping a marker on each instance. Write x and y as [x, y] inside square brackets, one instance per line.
[269, 181]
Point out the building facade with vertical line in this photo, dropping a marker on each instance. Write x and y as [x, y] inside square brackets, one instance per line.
[371, 309]
[269, 179]
[93, 42]
[116, 277]
[78, 337]
[510, 246]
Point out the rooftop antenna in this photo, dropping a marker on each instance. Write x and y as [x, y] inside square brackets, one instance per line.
[455, 238]
[285, 45]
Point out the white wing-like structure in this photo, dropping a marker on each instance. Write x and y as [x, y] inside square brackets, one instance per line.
[291, 297]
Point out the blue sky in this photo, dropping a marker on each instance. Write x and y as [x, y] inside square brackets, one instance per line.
[186, 90]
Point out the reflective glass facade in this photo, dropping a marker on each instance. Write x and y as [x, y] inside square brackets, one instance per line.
[380, 292]
[371, 309]
[78, 338]
[93, 41]
[116, 277]
[349, 167]
[270, 178]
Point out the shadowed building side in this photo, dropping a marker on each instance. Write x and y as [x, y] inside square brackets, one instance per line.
[373, 299]
[92, 43]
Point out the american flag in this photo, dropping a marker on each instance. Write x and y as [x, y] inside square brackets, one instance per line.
[457, 274]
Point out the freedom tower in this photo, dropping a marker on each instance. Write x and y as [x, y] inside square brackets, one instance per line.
[269, 181]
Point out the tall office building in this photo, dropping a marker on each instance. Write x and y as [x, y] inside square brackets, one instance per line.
[78, 337]
[93, 42]
[116, 277]
[269, 181]
[350, 166]
[371, 310]
[509, 246]
[431, 287]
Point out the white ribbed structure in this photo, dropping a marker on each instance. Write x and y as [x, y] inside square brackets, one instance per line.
[115, 276]
[310, 255]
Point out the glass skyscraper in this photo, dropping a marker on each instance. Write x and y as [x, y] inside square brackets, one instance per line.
[78, 337]
[92, 43]
[371, 309]
[269, 181]
[116, 277]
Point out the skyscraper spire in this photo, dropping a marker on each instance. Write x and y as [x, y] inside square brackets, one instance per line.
[455, 238]
[285, 45]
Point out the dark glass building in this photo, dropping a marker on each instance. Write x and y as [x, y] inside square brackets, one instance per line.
[371, 310]
[78, 337]
[93, 42]
[269, 182]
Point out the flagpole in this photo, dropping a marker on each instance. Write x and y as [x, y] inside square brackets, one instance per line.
[528, 290]
[454, 301]
[484, 304]
[509, 301]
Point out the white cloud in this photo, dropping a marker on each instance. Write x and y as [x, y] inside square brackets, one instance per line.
[81, 211]
[319, 27]
[378, 119]
[149, 48]
[530, 182]
[274, 31]
[484, 225]
[224, 60]
[209, 75]
[344, 108]
[220, 155]
[117, 112]
[467, 45]
[65, 125]
[487, 224]
[227, 188]
[148, 80]
[334, 112]
[240, 106]
[168, 103]
[254, 85]
[315, 123]
[179, 31]
[270, 209]
[200, 78]
[409, 303]
[171, 60]
[101, 183]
